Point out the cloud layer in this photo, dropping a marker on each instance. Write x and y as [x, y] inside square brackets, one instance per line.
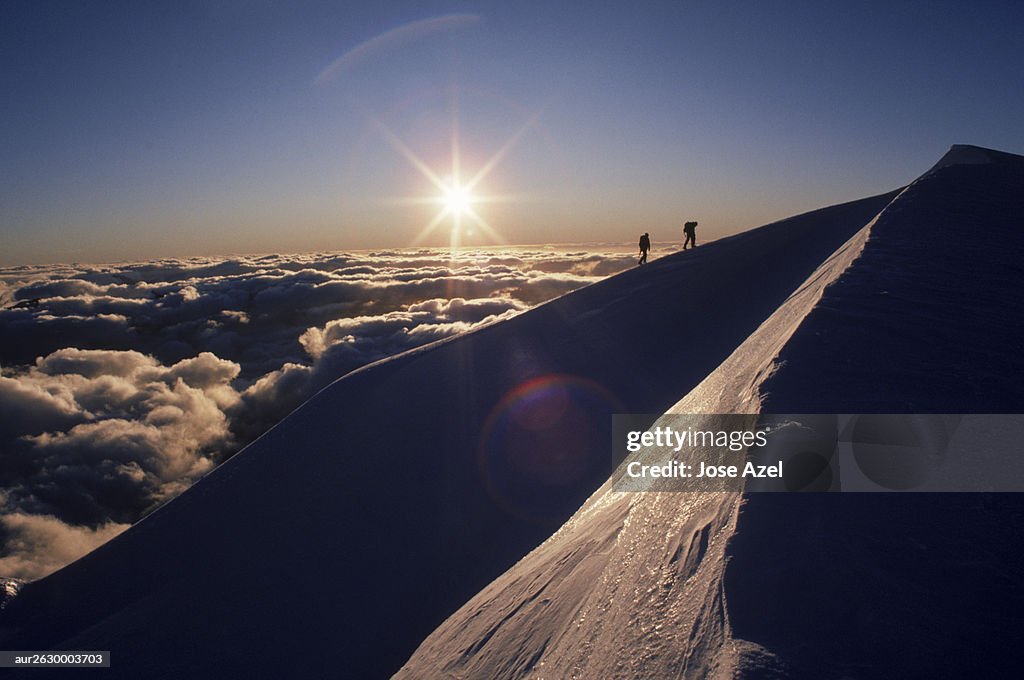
[121, 384]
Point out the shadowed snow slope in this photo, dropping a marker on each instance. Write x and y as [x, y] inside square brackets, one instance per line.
[928, 320]
[917, 311]
[338, 540]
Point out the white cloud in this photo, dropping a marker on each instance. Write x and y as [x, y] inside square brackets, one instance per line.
[93, 363]
[36, 545]
[123, 383]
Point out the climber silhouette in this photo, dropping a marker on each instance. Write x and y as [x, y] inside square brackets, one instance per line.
[690, 230]
[645, 245]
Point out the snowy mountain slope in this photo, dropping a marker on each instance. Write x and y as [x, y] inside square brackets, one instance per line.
[797, 585]
[349, 531]
[650, 602]
[927, 320]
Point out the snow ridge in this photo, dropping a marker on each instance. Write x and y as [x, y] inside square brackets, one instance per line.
[966, 154]
[654, 604]
[301, 542]
[356, 525]
[670, 580]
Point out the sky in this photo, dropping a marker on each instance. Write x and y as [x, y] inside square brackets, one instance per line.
[142, 130]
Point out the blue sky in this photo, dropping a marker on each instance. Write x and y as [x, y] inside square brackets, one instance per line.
[139, 130]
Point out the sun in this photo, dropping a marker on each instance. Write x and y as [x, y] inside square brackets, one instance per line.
[457, 200]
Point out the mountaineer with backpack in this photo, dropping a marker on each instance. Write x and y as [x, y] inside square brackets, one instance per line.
[690, 231]
[645, 245]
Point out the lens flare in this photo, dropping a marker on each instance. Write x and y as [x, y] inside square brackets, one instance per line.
[545, 444]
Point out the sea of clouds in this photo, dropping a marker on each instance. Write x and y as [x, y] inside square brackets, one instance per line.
[121, 384]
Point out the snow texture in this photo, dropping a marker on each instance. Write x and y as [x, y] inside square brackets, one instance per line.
[927, 320]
